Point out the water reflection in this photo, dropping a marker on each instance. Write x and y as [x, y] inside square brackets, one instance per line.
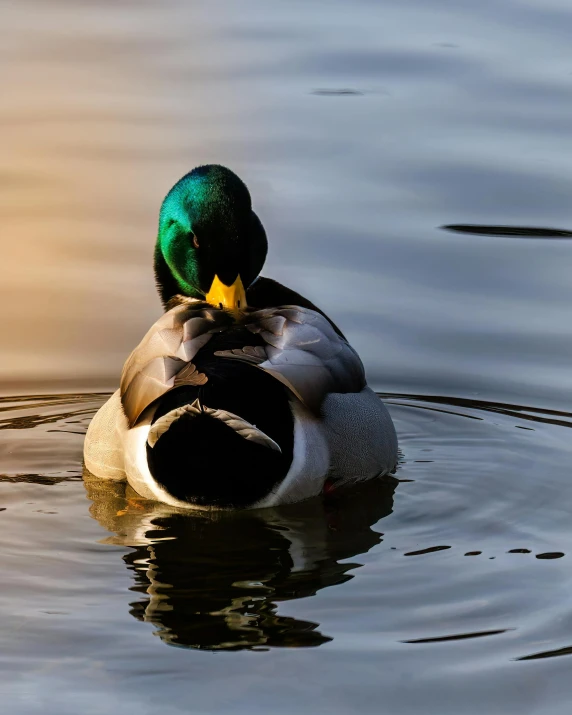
[214, 580]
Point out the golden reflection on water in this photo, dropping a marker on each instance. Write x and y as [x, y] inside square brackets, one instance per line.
[96, 127]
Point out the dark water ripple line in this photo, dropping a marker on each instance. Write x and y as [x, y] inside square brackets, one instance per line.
[547, 654]
[459, 636]
[342, 92]
[432, 409]
[47, 400]
[428, 550]
[31, 421]
[65, 431]
[41, 479]
[511, 231]
[26, 403]
[534, 414]
[549, 555]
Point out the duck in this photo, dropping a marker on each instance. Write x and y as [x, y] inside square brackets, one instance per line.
[243, 394]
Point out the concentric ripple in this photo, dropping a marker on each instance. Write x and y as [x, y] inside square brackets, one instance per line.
[485, 480]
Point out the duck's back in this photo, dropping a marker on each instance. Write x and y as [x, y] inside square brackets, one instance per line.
[217, 413]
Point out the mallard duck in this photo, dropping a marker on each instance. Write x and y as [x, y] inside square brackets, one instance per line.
[243, 394]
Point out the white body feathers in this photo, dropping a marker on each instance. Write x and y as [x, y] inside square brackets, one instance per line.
[353, 440]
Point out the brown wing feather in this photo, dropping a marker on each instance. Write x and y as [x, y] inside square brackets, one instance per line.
[162, 360]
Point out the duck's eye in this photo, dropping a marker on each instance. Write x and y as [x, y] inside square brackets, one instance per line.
[195, 241]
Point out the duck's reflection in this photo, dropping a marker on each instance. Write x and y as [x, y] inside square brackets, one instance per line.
[213, 580]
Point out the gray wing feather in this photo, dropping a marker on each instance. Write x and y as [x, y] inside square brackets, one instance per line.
[304, 352]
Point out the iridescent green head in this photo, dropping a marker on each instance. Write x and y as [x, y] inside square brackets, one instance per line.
[211, 245]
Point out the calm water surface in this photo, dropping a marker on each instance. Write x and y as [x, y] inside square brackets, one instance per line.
[361, 130]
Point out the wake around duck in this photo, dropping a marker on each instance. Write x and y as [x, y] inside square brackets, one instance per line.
[243, 394]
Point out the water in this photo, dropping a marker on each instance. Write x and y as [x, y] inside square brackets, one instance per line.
[361, 132]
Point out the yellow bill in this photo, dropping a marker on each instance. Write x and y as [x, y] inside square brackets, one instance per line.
[231, 298]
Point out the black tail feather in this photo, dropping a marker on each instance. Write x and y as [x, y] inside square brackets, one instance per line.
[202, 461]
